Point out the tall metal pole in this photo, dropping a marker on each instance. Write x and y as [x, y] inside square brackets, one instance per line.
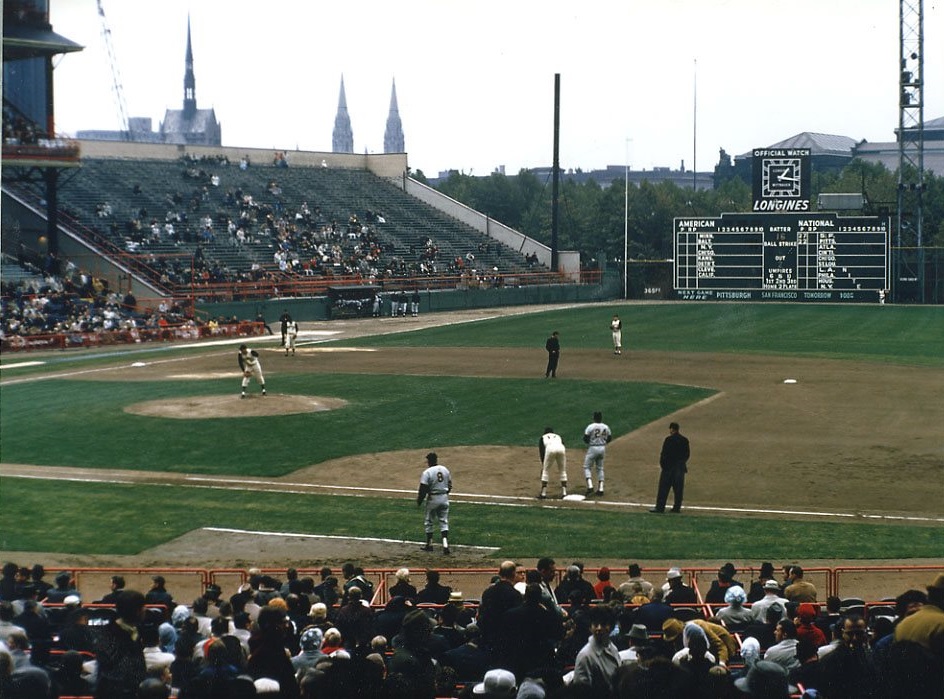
[695, 126]
[626, 225]
[555, 188]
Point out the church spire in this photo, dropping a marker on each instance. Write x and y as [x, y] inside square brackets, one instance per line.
[393, 136]
[190, 86]
[342, 140]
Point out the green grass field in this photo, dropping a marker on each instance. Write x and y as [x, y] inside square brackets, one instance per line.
[81, 423]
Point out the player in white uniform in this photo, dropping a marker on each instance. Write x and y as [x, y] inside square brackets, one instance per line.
[552, 451]
[291, 332]
[250, 366]
[597, 436]
[616, 327]
[435, 484]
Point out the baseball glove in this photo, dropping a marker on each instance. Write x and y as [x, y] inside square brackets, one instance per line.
[247, 374]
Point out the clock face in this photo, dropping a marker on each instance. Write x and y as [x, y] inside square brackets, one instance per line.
[781, 178]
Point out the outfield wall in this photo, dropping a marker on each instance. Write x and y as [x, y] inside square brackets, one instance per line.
[318, 308]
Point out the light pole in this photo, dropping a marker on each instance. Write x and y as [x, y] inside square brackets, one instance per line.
[626, 224]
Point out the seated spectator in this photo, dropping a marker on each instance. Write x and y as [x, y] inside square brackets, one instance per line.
[678, 592]
[636, 583]
[798, 589]
[653, 614]
[736, 616]
[770, 598]
[926, 626]
[69, 678]
[310, 643]
[403, 588]
[64, 588]
[765, 680]
[603, 584]
[764, 631]
[849, 671]
[722, 584]
[784, 651]
[758, 590]
[574, 581]
[469, 660]
[805, 618]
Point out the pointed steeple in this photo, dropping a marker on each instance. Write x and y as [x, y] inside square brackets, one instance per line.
[393, 136]
[342, 140]
[190, 85]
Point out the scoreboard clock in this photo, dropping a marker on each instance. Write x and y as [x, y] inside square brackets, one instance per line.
[780, 177]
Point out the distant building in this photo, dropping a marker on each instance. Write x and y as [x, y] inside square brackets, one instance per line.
[612, 173]
[342, 140]
[393, 136]
[187, 126]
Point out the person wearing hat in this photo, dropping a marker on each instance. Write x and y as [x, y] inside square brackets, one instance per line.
[678, 592]
[806, 626]
[497, 683]
[720, 642]
[673, 465]
[413, 655]
[765, 680]
[926, 626]
[756, 590]
[735, 616]
[310, 643]
[598, 661]
[771, 596]
[638, 638]
[158, 593]
[720, 586]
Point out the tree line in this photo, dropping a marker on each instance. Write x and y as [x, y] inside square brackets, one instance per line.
[591, 218]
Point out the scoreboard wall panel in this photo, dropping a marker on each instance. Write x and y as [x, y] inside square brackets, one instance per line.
[784, 256]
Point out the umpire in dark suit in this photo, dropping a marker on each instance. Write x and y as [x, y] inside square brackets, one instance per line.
[674, 464]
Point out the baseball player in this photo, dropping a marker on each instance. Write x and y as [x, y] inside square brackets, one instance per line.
[284, 320]
[415, 303]
[596, 436]
[250, 366]
[403, 303]
[616, 327]
[552, 451]
[435, 484]
[291, 332]
[378, 303]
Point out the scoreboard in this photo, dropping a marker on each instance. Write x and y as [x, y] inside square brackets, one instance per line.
[782, 256]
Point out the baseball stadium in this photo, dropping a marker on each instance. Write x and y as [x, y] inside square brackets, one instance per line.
[135, 443]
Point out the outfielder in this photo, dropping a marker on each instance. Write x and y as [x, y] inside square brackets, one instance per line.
[435, 484]
[291, 332]
[250, 366]
[616, 327]
[552, 451]
[597, 436]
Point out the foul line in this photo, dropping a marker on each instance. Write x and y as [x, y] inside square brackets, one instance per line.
[225, 530]
[290, 488]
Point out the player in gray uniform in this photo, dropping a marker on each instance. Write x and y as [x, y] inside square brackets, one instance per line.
[551, 450]
[435, 484]
[291, 333]
[250, 366]
[596, 436]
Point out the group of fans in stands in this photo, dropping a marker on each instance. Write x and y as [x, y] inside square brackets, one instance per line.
[531, 633]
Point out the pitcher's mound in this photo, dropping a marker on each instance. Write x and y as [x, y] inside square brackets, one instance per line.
[231, 405]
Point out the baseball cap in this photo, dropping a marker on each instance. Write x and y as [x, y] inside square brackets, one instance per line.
[496, 683]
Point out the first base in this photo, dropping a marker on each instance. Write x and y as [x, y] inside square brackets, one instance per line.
[575, 497]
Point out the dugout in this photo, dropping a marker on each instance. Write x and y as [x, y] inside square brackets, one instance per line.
[351, 301]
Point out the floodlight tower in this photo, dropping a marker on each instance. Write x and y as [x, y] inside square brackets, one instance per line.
[117, 87]
[911, 118]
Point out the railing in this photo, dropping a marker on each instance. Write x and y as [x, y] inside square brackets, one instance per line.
[167, 333]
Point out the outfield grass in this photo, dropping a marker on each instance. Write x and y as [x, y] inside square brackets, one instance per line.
[83, 423]
[98, 518]
[894, 334]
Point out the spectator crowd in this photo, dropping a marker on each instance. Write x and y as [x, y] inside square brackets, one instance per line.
[532, 632]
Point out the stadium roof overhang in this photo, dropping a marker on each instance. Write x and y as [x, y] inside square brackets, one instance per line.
[22, 41]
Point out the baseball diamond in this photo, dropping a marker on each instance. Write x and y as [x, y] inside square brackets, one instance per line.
[851, 441]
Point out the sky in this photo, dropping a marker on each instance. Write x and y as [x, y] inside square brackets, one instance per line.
[644, 84]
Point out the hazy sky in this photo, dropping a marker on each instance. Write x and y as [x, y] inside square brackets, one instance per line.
[475, 80]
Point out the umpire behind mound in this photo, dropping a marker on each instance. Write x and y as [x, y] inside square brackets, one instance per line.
[674, 463]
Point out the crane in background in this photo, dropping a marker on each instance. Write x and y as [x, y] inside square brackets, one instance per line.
[117, 87]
